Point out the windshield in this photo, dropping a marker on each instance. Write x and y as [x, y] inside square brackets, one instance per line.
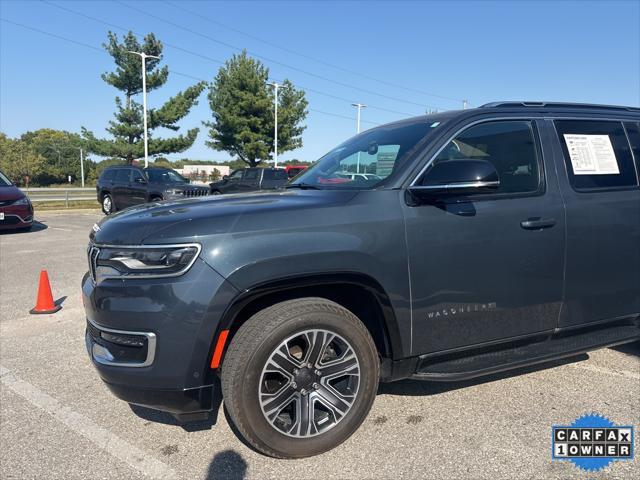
[4, 181]
[365, 160]
[161, 175]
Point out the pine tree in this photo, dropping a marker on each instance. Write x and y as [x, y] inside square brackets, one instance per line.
[127, 126]
[241, 102]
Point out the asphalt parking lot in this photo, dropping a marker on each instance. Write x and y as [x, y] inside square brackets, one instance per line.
[59, 421]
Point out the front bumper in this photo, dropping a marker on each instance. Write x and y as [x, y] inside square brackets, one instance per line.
[151, 339]
[16, 216]
[177, 402]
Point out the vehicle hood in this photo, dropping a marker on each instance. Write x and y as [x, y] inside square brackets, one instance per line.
[187, 220]
[10, 193]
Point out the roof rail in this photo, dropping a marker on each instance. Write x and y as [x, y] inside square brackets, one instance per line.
[557, 105]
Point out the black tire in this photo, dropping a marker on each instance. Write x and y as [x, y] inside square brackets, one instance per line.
[107, 204]
[155, 198]
[252, 347]
[215, 192]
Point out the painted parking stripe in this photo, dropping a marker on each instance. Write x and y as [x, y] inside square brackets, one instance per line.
[82, 425]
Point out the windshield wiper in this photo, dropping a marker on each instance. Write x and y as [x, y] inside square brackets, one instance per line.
[303, 186]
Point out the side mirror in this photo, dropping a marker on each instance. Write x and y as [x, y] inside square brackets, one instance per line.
[226, 177]
[457, 177]
[140, 180]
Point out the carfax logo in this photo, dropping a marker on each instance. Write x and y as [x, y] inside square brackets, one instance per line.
[592, 442]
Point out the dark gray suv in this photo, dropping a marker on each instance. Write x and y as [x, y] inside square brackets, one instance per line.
[250, 180]
[438, 248]
[120, 187]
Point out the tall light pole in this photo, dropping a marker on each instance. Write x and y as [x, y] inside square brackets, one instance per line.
[82, 167]
[276, 86]
[359, 106]
[143, 56]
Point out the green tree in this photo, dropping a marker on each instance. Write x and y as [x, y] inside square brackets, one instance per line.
[127, 127]
[242, 102]
[61, 153]
[19, 161]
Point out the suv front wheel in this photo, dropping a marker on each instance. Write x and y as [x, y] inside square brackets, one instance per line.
[300, 377]
[107, 204]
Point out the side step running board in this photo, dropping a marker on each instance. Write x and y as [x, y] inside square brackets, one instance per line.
[459, 367]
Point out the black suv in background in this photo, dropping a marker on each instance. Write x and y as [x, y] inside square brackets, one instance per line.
[123, 186]
[250, 180]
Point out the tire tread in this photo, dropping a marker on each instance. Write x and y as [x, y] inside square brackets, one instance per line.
[252, 333]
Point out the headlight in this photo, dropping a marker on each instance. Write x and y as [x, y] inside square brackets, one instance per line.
[143, 262]
[174, 191]
[22, 201]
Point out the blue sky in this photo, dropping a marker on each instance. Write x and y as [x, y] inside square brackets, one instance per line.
[426, 54]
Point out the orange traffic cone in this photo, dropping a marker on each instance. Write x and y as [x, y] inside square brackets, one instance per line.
[45, 303]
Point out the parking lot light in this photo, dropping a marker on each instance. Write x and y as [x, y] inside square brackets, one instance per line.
[144, 57]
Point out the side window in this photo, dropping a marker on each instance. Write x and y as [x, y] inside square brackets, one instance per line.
[251, 175]
[597, 154]
[108, 175]
[236, 175]
[509, 145]
[122, 175]
[633, 134]
[275, 175]
[135, 175]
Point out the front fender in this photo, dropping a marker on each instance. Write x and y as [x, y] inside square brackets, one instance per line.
[364, 238]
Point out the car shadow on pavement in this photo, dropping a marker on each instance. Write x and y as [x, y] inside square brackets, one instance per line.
[227, 464]
[628, 349]
[423, 387]
[36, 227]
[165, 418]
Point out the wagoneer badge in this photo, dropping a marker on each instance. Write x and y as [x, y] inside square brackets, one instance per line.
[462, 308]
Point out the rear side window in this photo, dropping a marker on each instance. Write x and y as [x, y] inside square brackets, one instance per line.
[122, 175]
[597, 154]
[275, 175]
[250, 175]
[108, 175]
[509, 145]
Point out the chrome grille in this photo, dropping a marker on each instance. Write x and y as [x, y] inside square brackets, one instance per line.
[92, 254]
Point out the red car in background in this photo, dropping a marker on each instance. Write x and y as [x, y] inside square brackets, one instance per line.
[16, 211]
[293, 170]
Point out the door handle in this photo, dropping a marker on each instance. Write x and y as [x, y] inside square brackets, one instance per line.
[537, 223]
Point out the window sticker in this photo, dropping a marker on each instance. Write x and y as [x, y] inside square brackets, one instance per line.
[591, 154]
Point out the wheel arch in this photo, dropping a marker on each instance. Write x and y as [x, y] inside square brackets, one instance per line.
[357, 292]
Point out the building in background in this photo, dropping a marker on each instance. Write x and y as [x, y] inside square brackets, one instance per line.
[203, 173]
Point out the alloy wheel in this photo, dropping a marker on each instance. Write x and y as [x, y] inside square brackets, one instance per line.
[309, 383]
[106, 204]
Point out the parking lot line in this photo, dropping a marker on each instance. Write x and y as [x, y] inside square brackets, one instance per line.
[82, 425]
